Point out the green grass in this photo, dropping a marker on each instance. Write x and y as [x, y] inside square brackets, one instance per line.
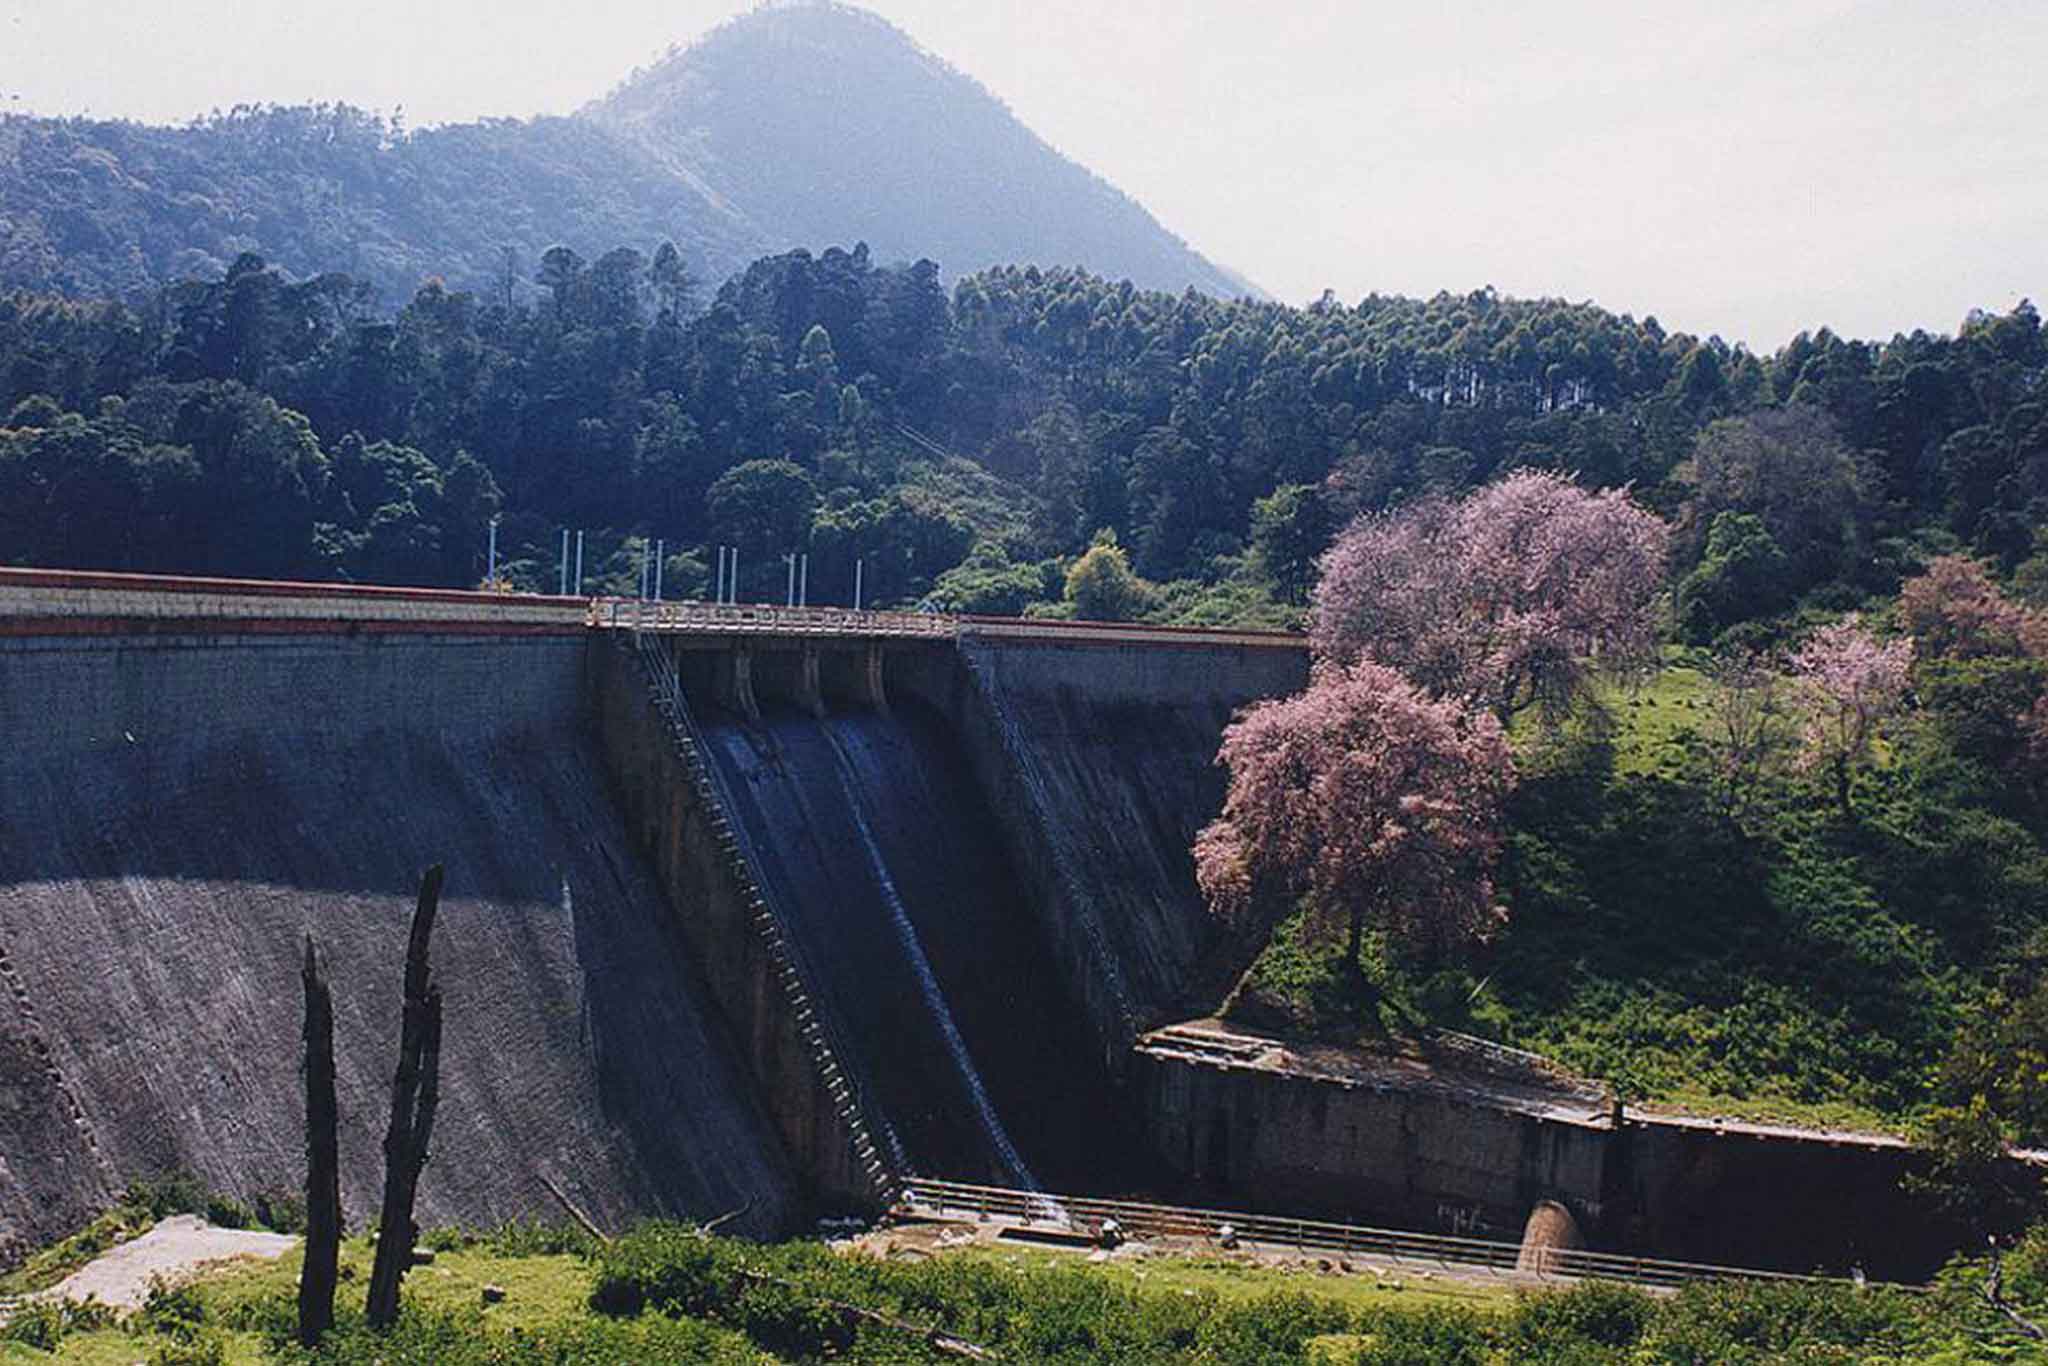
[693, 1302]
[1235, 1280]
[1658, 716]
[1837, 1115]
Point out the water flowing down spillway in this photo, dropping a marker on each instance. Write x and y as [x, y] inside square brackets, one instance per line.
[881, 856]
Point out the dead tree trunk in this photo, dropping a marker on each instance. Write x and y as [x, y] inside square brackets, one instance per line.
[323, 1175]
[415, 1094]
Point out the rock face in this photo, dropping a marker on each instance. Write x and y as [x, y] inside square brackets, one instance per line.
[812, 125]
[176, 813]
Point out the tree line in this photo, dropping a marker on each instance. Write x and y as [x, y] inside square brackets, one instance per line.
[971, 447]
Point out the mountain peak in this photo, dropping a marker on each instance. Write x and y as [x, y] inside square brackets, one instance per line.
[822, 122]
[803, 123]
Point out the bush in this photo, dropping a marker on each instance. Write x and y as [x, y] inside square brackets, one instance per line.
[281, 1211]
[168, 1193]
[204, 1349]
[44, 1324]
[431, 1338]
[1563, 1326]
[175, 1310]
[532, 1238]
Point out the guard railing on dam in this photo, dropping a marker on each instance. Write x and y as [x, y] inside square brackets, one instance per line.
[707, 618]
[64, 601]
[928, 1198]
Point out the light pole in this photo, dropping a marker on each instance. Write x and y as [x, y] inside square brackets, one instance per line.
[562, 578]
[491, 577]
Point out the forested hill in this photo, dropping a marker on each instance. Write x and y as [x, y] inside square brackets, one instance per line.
[797, 124]
[251, 424]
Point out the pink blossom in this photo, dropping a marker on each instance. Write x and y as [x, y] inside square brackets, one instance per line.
[1851, 682]
[1956, 609]
[1511, 597]
[1369, 798]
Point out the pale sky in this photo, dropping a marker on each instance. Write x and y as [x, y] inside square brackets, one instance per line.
[1746, 167]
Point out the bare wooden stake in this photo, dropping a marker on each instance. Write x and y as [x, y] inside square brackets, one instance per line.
[323, 1167]
[415, 1095]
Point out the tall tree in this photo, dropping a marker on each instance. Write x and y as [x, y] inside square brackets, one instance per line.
[1376, 803]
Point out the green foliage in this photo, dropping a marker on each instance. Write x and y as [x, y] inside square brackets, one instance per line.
[1102, 587]
[1743, 575]
[44, 1324]
[246, 422]
[990, 583]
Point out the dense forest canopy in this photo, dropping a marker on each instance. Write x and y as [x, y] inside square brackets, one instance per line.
[969, 445]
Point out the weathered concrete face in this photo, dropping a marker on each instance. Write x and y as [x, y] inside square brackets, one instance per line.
[1105, 758]
[713, 903]
[1419, 1154]
[176, 812]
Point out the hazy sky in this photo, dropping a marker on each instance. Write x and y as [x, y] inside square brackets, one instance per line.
[1747, 167]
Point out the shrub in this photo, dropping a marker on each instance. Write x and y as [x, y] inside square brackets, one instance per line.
[1562, 1326]
[175, 1310]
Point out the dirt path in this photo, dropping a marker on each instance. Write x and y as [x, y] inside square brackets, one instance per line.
[174, 1249]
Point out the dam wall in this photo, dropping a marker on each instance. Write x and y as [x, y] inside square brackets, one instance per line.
[712, 898]
[180, 806]
[871, 838]
[1103, 756]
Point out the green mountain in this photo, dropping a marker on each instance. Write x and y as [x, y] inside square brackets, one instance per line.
[810, 124]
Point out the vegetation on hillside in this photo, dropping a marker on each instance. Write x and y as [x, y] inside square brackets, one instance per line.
[1222, 443]
[666, 1293]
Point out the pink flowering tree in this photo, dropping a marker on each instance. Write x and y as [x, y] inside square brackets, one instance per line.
[1518, 595]
[1371, 800]
[1851, 682]
[1956, 610]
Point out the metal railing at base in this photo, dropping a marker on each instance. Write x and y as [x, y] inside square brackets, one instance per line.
[1434, 1251]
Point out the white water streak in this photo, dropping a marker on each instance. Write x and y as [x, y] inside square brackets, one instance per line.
[935, 998]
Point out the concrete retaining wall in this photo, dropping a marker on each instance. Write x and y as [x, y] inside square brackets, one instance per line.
[177, 811]
[1248, 1138]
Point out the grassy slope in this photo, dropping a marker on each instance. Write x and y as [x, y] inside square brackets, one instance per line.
[539, 1291]
[1793, 968]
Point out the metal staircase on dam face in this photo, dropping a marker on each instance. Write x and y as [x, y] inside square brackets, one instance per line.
[666, 692]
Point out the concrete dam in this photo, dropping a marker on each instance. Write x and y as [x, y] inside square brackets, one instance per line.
[199, 775]
[748, 912]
